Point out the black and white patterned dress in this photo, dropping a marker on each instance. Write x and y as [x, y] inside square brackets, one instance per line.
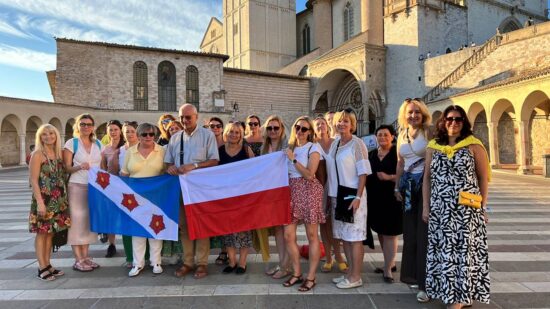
[457, 267]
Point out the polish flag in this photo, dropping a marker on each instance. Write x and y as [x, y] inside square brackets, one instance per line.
[236, 197]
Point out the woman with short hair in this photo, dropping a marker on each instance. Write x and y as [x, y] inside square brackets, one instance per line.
[49, 212]
[146, 159]
[306, 200]
[216, 126]
[109, 163]
[348, 168]
[458, 259]
[232, 151]
[77, 163]
[414, 120]
[253, 134]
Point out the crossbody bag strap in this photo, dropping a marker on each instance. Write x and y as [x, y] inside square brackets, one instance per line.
[336, 164]
[181, 150]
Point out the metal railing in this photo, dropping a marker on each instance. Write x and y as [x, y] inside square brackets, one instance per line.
[478, 56]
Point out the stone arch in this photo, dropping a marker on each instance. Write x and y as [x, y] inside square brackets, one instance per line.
[435, 116]
[33, 123]
[536, 110]
[377, 104]
[478, 119]
[69, 129]
[11, 127]
[57, 124]
[503, 114]
[509, 24]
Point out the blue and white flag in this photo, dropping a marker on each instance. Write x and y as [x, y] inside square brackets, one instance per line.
[145, 207]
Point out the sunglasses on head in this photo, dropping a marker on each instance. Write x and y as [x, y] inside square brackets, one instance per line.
[84, 124]
[272, 128]
[455, 119]
[413, 99]
[150, 134]
[130, 123]
[166, 120]
[215, 126]
[348, 110]
[115, 122]
[300, 128]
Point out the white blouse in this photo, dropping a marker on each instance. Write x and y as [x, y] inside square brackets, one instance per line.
[413, 151]
[353, 161]
[82, 156]
[302, 155]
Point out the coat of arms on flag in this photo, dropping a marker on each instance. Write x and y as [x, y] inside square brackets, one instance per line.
[145, 207]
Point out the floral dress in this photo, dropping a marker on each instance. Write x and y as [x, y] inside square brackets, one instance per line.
[457, 267]
[54, 193]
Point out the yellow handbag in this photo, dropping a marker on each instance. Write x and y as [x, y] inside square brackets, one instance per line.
[469, 199]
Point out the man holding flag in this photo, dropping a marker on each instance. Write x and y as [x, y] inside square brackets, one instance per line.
[194, 147]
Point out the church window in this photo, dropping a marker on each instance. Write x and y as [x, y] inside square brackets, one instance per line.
[306, 40]
[140, 86]
[213, 34]
[167, 86]
[192, 85]
[348, 21]
[235, 29]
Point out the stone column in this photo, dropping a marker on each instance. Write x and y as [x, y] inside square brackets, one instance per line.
[322, 14]
[523, 160]
[372, 20]
[22, 150]
[493, 144]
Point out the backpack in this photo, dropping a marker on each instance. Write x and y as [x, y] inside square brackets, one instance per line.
[75, 146]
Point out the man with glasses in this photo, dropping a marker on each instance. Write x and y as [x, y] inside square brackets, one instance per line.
[194, 147]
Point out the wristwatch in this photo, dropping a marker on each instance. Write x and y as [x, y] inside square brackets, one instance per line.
[294, 161]
[196, 165]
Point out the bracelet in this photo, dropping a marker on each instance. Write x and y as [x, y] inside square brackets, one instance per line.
[357, 197]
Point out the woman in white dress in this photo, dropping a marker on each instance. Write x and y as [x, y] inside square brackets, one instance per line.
[348, 166]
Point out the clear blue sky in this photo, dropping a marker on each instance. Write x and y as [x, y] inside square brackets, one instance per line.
[27, 28]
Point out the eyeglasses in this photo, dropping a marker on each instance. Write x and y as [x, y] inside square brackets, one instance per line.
[150, 134]
[253, 124]
[300, 128]
[215, 126]
[272, 128]
[84, 124]
[455, 119]
[186, 117]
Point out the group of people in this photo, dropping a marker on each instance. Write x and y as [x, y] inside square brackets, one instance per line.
[412, 183]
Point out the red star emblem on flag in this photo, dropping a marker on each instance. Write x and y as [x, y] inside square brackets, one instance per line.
[102, 179]
[157, 223]
[129, 201]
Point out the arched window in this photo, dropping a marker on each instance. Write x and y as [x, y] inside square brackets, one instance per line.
[509, 24]
[348, 21]
[306, 40]
[167, 86]
[140, 86]
[192, 85]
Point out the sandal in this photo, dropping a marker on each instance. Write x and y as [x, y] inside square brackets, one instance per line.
[82, 266]
[290, 282]
[343, 267]
[222, 258]
[280, 274]
[55, 272]
[305, 287]
[273, 270]
[379, 270]
[327, 267]
[45, 274]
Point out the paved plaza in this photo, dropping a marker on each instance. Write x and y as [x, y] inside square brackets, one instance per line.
[519, 245]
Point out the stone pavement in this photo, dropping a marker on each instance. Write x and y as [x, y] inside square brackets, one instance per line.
[519, 239]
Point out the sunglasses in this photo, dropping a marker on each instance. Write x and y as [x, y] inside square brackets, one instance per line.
[84, 124]
[272, 128]
[150, 134]
[300, 128]
[215, 126]
[455, 119]
[253, 124]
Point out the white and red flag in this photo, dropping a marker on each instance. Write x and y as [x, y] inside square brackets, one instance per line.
[236, 197]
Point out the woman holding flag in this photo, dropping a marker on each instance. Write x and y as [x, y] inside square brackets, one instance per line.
[306, 194]
[146, 159]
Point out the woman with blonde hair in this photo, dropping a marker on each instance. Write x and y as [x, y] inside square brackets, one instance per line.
[49, 207]
[414, 120]
[253, 134]
[323, 133]
[348, 167]
[306, 200]
[80, 154]
[274, 139]
[162, 124]
[232, 151]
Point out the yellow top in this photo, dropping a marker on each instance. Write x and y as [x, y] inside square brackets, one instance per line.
[138, 166]
[451, 150]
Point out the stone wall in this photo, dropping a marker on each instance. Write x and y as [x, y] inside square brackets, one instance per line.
[266, 94]
[102, 76]
[302, 19]
[9, 152]
[506, 140]
[437, 68]
[481, 130]
[539, 138]
[338, 19]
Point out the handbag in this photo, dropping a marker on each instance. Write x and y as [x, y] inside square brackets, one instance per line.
[344, 198]
[59, 239]
[469, 199]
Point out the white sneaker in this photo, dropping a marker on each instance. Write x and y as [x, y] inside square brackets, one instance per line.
[157, 269]
[345, 284]
[135, 271]
[338, 279]
[421, 297]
